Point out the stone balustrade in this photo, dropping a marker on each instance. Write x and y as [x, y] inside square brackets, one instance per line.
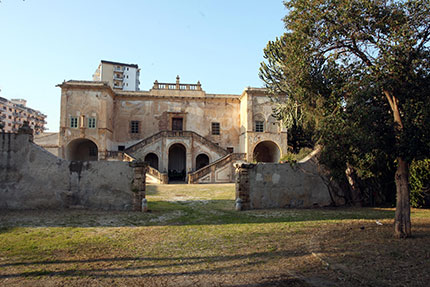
[177, 86]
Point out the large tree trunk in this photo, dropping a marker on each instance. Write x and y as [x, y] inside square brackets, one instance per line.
[402, 223]
[351, 176]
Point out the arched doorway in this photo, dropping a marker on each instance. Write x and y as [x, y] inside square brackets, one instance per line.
[177, 162]
[82, 149]
[152, 159]
[202, 160]
[266, 151]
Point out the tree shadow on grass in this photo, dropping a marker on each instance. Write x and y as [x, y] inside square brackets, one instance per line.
[193, 212]
[155, 266]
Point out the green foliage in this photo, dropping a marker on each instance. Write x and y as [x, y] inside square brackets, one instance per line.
[347, 68]
[294, 157]
[419, 181]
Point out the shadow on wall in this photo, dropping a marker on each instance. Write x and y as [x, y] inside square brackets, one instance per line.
[266, 151]
[33, 178]
[298, 185]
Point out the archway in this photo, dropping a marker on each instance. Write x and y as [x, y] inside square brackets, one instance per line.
[266, 151]
[82, 149]
[152, 159]
[177, 162]
[202, 160]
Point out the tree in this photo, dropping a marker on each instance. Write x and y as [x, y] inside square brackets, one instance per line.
[336, 50]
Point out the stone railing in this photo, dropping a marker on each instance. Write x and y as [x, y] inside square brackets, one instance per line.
[195, 176]
[118, 155]
[162, 177]
[169, 134]
[177, 86]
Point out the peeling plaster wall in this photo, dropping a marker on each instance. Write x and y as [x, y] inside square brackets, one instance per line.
[155, 115]
[32, 178]
[257, 106]
[83, 103]
[271, 185]
[48, 141]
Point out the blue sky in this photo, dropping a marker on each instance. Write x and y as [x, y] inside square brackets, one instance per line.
[219, 43]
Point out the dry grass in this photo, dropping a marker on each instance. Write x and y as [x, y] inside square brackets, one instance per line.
[193, 237]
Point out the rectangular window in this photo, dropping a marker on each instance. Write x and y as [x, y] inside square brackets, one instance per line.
[230, 149]
[92, 151]
[121, 148]
[92, 123]
[134, 127]
[73, 122]
[177, 124]
[215, 129]
[259, 126]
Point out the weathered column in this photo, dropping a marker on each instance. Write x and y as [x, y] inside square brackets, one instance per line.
[25, 129]
[138, 184]
[242, 186]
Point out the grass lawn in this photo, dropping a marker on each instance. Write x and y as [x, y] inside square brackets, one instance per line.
[192, 236]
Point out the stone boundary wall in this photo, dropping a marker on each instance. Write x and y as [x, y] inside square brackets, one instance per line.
[272, 185]
[33, 178]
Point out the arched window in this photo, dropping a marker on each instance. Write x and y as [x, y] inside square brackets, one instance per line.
[202, 160]
[152, 160]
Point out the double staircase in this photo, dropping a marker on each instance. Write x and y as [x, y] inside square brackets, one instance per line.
[173, 134]
[201, 175]
[206, 174]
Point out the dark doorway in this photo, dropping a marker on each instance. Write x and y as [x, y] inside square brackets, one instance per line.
[177, 124]
[266, 151]
[152, 159]
[177, 162]
[202, 160]
[82, 149]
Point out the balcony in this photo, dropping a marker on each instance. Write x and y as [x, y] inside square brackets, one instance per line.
[118, 69]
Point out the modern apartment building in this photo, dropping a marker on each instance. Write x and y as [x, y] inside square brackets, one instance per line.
[119, 75]
[13, 113]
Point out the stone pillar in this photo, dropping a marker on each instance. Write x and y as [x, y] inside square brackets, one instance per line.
[177, 82]
[25, 129]
[242, 185]
[138, 184]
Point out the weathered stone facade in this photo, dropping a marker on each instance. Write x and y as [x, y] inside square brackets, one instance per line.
[298, 185]
[178, 128]
[32, 178]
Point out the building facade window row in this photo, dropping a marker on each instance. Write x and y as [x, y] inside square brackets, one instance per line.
[90, 122]
[13, 114]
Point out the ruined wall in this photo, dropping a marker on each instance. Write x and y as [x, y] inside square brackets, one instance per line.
[48, 141]
[272, 185]
[32, 178]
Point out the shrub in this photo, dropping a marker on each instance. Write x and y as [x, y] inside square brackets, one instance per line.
[294, 157]
[419, 181]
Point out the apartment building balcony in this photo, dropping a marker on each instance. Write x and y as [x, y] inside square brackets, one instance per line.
[120, 70]
[118, 78]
